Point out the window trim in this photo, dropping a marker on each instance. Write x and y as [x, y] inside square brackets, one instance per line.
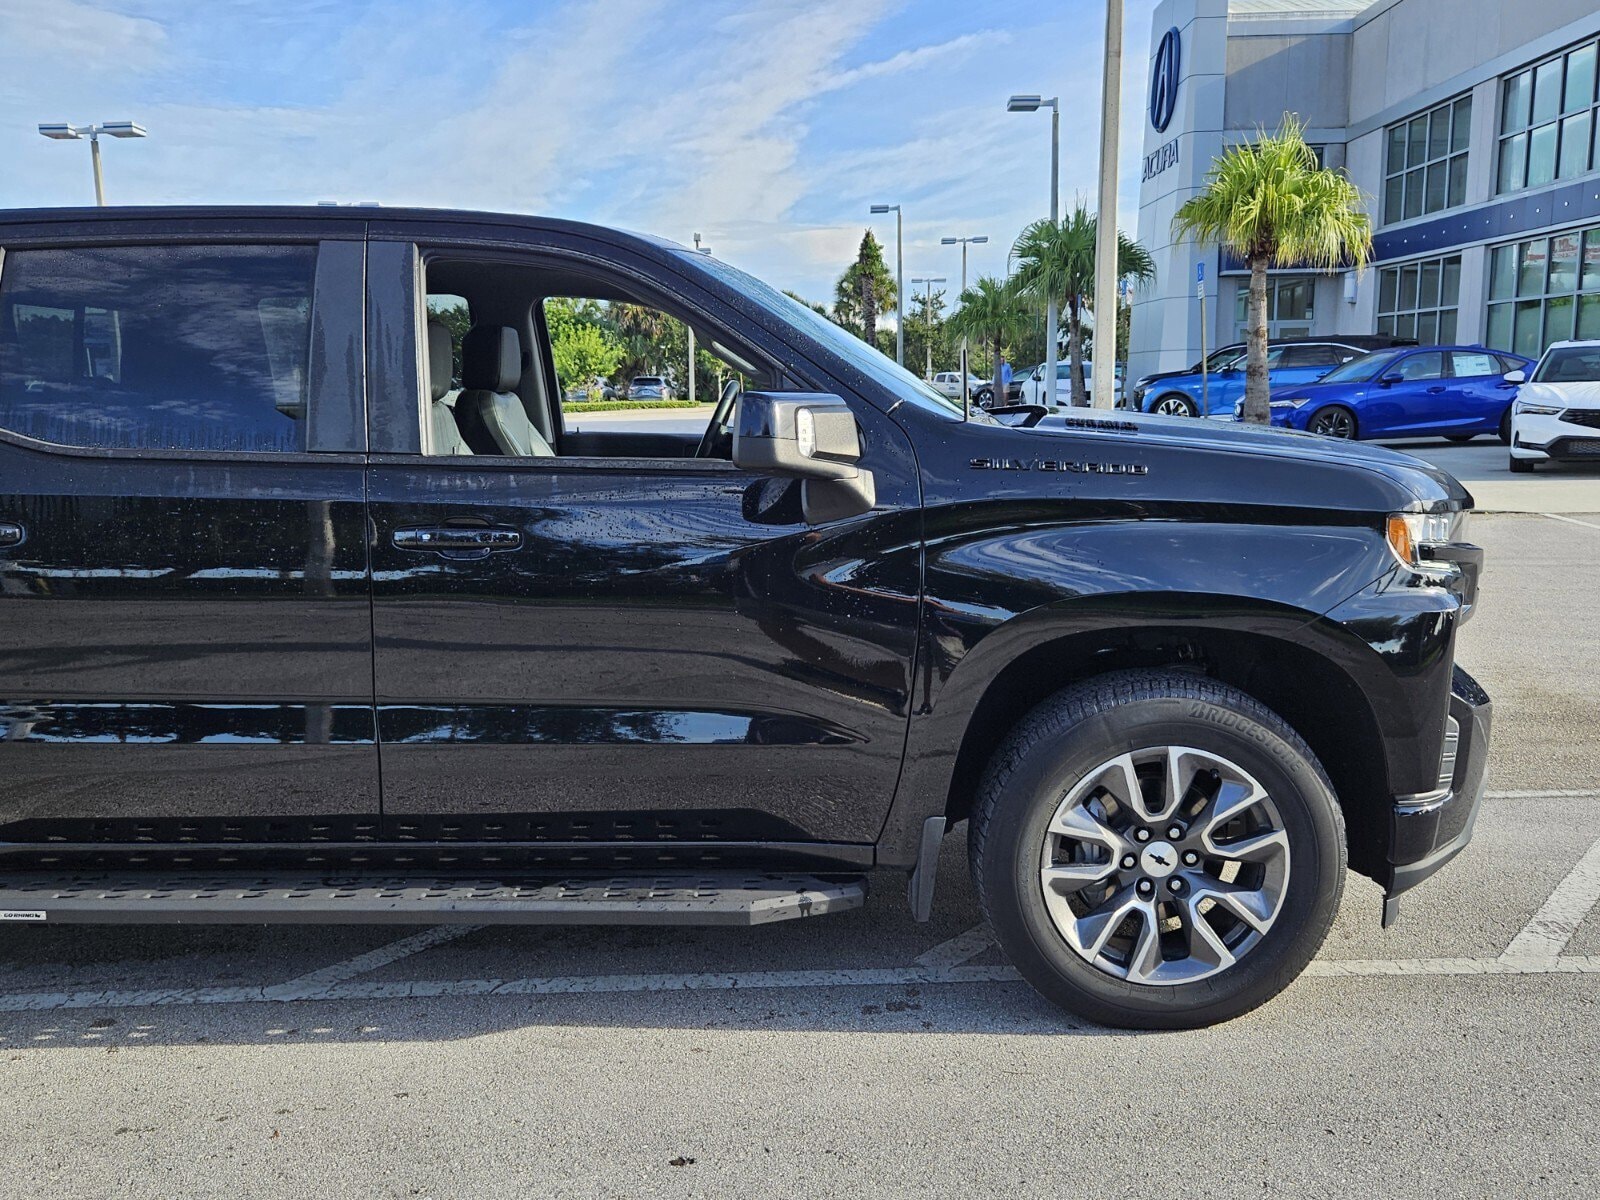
[1444, 161]
[335, 358]
[1525, 130]
[1418, 310]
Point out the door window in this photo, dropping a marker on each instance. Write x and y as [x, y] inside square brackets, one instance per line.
[158, 347]
[1469, 364]
[1421, 366]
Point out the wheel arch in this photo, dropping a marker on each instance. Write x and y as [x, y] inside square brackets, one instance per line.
[1306, 687]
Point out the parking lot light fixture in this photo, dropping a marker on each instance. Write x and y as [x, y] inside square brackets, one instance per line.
[964, 242]
[1052, 310]
[60, 131]
[899, 280]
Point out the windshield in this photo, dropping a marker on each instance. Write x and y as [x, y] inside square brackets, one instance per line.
[1365, 367]
[869, 361]
[1569, 364]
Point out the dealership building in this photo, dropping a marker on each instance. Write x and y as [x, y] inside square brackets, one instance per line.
[1472, 128]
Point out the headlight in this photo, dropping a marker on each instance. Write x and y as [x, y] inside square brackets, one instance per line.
[1294, 402]
[1531, 409]
[1412, 536]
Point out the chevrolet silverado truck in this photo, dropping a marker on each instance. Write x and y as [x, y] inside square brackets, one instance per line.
[317, 607]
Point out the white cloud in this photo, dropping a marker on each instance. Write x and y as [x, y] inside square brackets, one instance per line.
[767, 125]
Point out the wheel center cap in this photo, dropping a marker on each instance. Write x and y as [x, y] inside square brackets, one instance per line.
[1158, 860]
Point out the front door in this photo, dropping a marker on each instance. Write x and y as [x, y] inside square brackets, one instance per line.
[183, 576]
[602, 652]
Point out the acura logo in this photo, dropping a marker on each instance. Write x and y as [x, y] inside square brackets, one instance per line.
[1164, 80]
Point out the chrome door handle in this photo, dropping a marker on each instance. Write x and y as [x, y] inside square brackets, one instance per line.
[12, 534]
[458, 541]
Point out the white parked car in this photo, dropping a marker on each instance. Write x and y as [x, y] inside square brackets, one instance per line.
[1556, 415]
[949, 382]
[1034, 392]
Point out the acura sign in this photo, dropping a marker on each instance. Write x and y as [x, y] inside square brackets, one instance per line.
[1164, 80]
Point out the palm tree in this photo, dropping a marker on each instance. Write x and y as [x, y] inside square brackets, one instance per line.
[1057, 259]
[1269, 203]
[993, 314]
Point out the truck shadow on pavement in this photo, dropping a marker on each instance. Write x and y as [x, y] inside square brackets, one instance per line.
[873, 969]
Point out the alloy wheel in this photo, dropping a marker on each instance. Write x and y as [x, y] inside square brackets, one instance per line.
[1336, 423]
[1173, 406]
[1165, 865]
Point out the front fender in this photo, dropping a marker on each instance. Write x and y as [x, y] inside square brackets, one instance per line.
[1000, 586]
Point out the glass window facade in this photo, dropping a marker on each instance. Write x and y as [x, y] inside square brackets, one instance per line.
[1547, 120]
[1421, 300]
[1544, 290]
[1425, 169]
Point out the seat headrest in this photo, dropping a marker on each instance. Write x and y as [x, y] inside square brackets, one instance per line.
[491, 358]
[439, 356]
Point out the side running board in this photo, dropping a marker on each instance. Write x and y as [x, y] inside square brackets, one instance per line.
[713, 898]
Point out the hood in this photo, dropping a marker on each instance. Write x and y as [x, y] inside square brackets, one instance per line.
[1426, 485]
[1571, 395]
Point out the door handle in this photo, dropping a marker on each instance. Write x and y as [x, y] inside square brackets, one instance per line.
[12, 534]
[1434, 391]
[460, 542]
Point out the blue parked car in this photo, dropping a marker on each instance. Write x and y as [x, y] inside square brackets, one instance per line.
[1455, 392]
[1303, 360]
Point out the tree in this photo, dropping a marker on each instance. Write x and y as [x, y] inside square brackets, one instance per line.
[1058, 260]
[992, 314]
[864, 291]
[928, 344]
[1269, 203]
[584, 353]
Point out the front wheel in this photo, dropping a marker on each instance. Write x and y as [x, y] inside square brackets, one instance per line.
[1521, 466]
[1176, 405]
[1155, 850]
[1505, 428]
[1334, 421]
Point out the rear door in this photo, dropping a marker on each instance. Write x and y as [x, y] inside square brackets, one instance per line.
[1479, 394]
[637, 652]
[183, 581]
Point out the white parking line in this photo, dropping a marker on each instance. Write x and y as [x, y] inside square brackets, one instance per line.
[1572, 964]
[1546, 794]
[958, 949]
[1570, 520]
[370, 961]
[1552, 927]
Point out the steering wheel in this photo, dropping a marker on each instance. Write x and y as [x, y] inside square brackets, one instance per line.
[717, 441]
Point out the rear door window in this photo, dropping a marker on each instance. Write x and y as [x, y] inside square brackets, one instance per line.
[1429, 365]
[1469, 364]
[157, 347]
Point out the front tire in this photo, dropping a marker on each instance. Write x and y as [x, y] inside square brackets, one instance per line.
[1175, 404]
[1521, 466]
[1334, 421]
[1155, 850]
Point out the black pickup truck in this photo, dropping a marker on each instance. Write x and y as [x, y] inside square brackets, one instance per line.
[317, 607]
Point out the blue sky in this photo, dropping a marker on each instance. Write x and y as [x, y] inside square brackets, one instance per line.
[768, 126]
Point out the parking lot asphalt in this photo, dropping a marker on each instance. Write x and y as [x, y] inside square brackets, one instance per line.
[1457, 1054]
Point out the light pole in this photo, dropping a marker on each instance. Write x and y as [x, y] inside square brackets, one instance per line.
[964, 243]
[1105, 250]
[927, 315]
[899, 280]
[1052, 310]
[63, 132]
[699, 249]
